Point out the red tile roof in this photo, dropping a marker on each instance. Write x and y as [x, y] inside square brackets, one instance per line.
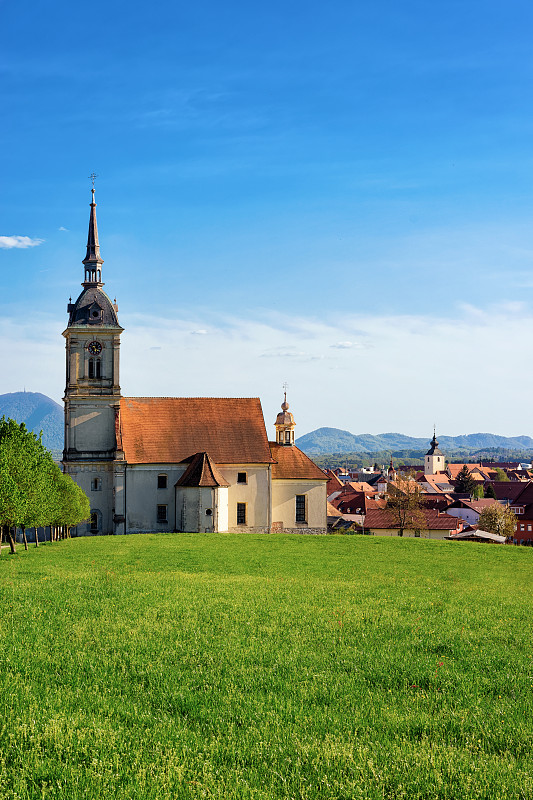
[202, 472]
[380, 519]
[331, 511]
[167, 430]
[290, 463]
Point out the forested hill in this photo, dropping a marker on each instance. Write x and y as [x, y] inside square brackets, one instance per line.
[38, 412]
[333, 440]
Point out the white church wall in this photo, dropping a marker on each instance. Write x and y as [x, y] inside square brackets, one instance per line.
[96, 480]
[195, 509]
[143, 497]
[284, 504]
[222, 509]
[255, 493]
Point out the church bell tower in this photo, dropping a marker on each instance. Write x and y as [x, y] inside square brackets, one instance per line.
[92, 389]
[285, 425]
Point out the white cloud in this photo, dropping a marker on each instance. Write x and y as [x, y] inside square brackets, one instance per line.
[342, 345]
[9, 242]
[454, 371]
[62, 229]
[200, 332]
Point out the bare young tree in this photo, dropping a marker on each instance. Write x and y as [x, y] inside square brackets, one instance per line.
[404, 501]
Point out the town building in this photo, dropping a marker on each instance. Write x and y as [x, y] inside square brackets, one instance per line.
[173, 464]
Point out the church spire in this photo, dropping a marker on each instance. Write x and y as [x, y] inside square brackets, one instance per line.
[93, 261]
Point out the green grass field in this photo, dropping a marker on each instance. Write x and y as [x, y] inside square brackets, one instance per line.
[240, 666]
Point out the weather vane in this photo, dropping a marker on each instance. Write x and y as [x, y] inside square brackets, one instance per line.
[92, 177]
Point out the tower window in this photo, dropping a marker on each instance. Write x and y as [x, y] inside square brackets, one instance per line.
[242, 477]
[162, 481]
[300, 508]
[241, 513]
[162, 514]
[95, 368]
[287, 437]
[96, 485]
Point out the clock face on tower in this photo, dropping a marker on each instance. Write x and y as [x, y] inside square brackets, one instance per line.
[94, 348]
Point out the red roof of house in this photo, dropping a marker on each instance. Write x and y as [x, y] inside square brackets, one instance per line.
[290, 462]
[167, 430]
[202, 472]
[380, 519]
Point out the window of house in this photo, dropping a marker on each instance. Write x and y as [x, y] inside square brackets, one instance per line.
[161, 481]
[96, 485]
[162, 513]
[529, 527]
[94, 527]
[242, 477]
[287, 436]
[241, 513]
[522, 526]
[300, 508]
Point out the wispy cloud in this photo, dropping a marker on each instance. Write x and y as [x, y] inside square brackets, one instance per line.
[414, 371]
[200, 332]
[21, 242]
[62, 228]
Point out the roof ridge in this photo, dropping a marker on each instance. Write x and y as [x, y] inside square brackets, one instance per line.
[187, 397]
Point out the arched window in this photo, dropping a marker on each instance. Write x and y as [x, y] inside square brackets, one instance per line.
[95, 525]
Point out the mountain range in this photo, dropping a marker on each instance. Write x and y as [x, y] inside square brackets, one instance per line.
[38, 412]
[333, 440]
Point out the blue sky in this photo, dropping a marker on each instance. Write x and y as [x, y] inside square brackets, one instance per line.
[333, 195]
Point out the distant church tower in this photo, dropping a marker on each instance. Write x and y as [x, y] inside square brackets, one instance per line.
[92, 392]
[434, 459]
[285, 425]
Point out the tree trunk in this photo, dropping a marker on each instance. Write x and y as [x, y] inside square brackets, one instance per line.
[23, 529]
[12, 547]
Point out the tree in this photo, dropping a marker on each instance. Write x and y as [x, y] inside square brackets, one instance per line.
[498, 519]
[464, 483]
[501, 475]
[404, 501]
[489, 491]
[478, 493]
[33, 490]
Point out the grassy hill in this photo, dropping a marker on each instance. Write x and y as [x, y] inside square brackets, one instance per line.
[241, 666]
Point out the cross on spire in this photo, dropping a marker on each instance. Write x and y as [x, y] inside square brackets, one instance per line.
[92, 177]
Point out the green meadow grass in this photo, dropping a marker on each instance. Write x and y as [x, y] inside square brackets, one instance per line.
[240, 666]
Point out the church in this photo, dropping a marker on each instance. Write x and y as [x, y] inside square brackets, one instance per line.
[193, 464]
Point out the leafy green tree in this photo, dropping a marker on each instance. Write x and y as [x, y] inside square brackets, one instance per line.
[33, 490]
[501, 475]
[498, 519]
[464, 483]
[478, 493]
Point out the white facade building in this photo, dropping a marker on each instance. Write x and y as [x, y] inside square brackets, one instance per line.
[173, 464]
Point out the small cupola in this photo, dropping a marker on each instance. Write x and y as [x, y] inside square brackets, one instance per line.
[285, 425]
